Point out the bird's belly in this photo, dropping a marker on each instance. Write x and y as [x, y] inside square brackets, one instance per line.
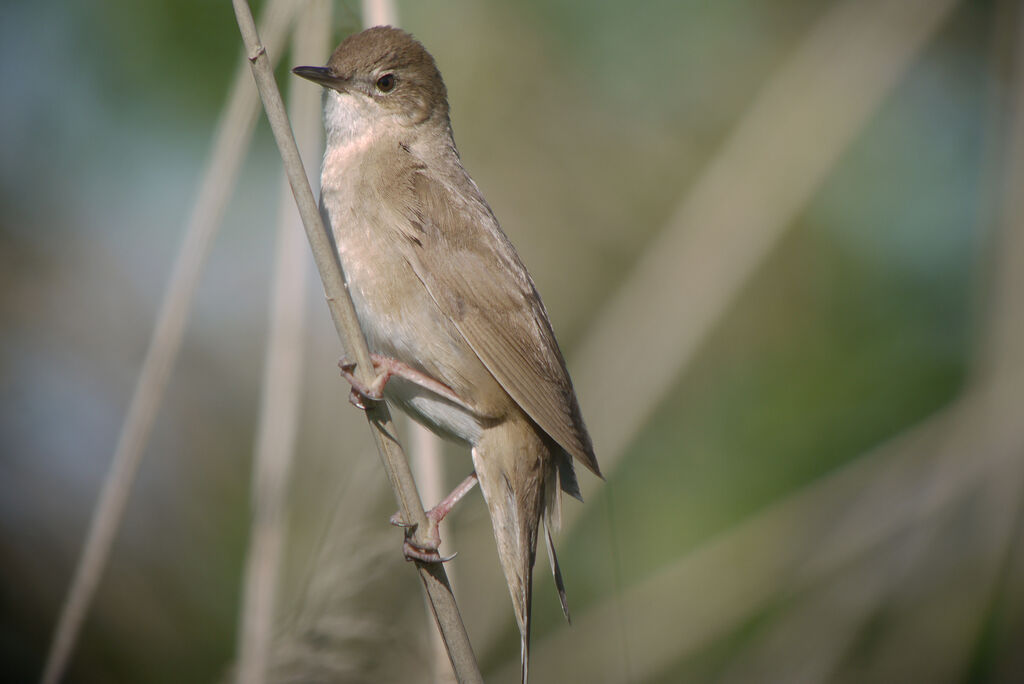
[402, 321]
[396, 312]
[443, 417]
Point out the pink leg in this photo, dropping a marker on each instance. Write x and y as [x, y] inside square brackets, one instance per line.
[386, 367]
[428, 552]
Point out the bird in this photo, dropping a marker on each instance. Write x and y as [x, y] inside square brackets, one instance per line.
[459, 337]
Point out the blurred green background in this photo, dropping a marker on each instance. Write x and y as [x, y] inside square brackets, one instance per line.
[767, 517]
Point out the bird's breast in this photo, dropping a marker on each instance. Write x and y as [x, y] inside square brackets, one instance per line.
[398, 315]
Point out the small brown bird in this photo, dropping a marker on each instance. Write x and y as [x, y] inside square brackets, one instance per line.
[460, 338]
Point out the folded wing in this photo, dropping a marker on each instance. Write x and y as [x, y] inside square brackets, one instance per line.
[496, 308]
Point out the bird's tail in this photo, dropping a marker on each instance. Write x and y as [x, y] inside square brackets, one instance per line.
[515, 465]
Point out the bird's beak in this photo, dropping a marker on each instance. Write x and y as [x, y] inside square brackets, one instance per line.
[322, 76]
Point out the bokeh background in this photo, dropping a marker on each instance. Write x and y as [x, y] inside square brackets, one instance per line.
[781, 244]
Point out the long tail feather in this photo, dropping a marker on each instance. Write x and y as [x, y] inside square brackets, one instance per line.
[554, 485]
[567, 476]
[524, 652]
[556, 572]
[521, 476]
[514, 501]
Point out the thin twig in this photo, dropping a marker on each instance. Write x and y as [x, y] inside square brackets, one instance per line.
[379, 13]
[233, 133]
[433, 575]
[426, 456]
[425, 452]
[282, 375]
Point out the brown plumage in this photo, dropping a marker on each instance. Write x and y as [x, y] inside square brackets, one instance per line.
[440, 289]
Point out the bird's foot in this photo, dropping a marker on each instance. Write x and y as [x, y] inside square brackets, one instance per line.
[424, 550]
[385, 368]
[427, 550]
[362, 394]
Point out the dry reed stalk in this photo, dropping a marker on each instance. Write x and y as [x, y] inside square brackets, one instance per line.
[342, 311]
[282, 373]
[425, 452]
[379, 13]
[234, 131]
[426, 455]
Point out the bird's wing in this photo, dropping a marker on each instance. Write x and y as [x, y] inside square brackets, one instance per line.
[474, 274]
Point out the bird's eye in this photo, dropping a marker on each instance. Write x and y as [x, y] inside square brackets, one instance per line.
[386, 83]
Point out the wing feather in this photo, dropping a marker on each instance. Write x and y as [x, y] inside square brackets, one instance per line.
[476, 277]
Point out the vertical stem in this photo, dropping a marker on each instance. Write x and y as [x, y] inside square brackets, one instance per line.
[426, 447]
[233, 134]
[427, 467]
[282, 379]
[433, 575]
[379, 13]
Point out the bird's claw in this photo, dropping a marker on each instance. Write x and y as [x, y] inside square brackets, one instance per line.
[385, 368]
[415, 553]
[397, 520]
[361, 394]
[426, 551]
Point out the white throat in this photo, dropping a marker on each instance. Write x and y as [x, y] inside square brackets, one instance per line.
[353, 120]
